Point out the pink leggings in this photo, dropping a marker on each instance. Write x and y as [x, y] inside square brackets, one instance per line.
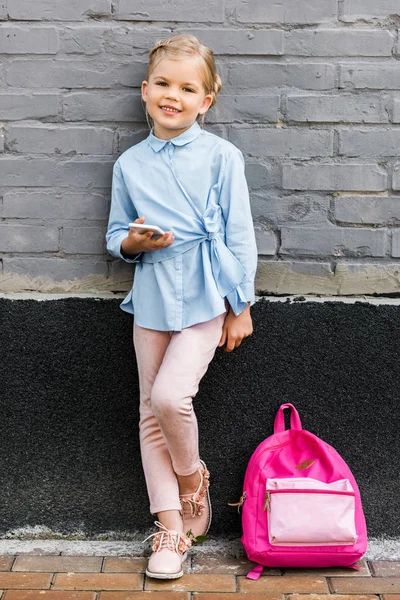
[171, 365]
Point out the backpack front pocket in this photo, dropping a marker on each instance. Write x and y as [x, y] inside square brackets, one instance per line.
[308, 512]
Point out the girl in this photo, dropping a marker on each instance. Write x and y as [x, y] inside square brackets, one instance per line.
[193, 285]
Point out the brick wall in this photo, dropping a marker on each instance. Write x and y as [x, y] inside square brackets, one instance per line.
[311, 96]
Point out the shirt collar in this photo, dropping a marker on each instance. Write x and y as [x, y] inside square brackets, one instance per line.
[180, 140]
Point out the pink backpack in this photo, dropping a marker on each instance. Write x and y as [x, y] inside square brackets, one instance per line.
[301, 504]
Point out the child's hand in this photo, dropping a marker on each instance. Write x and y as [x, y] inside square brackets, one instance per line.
[137, 242]
[235, 329]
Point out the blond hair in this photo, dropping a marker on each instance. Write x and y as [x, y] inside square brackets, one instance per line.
[187, 46]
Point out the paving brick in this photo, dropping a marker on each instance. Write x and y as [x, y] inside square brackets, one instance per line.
[364, 9]
[338, 108]
[366, 585]
[208, 11]
[255, 75]
[367, 210]
[53, 204]
[226, 565]
[194, 582]
[269, 142]
[28, 581]
[103, 106]
[369, 142]
[50, 139]
[98, 581]
[333, 241]
[47, 595]
[28, 106]
[145, 596]
[22, 40]
[58, 10]
[285, 585]
[339, 42]
[125, 564]
[374, 76]
[324, 597]
[286, 11]
[385, 568]
[28, 238]
[237, 596]
[6, 562]
[390, 596]
[350, 176]
[58, 563]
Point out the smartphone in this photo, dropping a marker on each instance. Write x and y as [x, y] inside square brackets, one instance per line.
[143, 228]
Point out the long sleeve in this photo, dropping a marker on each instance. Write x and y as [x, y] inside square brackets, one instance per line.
[239, 230]
[122, 212]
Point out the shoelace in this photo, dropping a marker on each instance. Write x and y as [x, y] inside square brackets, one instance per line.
[166, 538]
[196, 507]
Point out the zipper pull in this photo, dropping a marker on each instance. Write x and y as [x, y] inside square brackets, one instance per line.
[267, 502]
[240, 503]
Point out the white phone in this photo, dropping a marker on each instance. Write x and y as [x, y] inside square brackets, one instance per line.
[143, 228]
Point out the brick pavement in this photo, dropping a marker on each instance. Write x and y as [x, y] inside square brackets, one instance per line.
[59, 577]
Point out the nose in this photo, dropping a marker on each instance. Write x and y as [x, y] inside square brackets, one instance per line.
[171, 93]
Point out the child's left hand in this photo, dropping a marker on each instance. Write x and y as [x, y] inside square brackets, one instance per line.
[235, 329]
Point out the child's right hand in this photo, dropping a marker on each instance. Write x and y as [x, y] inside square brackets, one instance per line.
[137, 242]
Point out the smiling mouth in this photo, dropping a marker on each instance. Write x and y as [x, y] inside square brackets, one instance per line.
[171, 111]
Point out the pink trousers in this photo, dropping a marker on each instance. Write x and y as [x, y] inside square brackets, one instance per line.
[171, 365]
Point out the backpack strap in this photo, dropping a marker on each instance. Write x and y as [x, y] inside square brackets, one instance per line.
[279, 423]
[255, 572]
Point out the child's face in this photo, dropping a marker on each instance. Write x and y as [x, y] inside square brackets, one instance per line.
[177, 84]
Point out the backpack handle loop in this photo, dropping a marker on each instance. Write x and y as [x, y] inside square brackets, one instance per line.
[279, 423]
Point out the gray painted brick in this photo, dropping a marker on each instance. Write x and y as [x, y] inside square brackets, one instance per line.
[242, 41]
[396, 110]
[311, 76]
[259, 108]
[333, 241]
[80, 39]
[49, 139]
[52, 204]
[366, 108]
[265, 240]
[339, 42]
[374, 76]
[17, 106]
[25, 40]
[396, 244]
[58, 10]
[84, 173]
[3, 9]
[286, 11]
[259, 176]
[27, 171]
[28, 238]
[396, 176]
[127, 138]
[352, 177]
[72, 73]
[83, 240]
[364, 9]
[368, 210]
[307, 210]
[129, 38]
[1, 140]
[103, 106]
[207, 11]
[369, 142]
[57, 269]
[282, 142]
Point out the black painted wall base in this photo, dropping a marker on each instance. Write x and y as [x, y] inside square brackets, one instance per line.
[69, 445]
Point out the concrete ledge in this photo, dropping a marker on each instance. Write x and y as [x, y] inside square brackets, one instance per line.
[69, 434]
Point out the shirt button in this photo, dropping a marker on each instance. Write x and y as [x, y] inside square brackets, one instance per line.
[179, 297]
[178, 267]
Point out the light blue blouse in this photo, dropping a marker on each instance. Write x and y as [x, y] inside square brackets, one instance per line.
[193, 184]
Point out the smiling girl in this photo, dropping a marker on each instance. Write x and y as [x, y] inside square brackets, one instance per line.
[193, 285]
